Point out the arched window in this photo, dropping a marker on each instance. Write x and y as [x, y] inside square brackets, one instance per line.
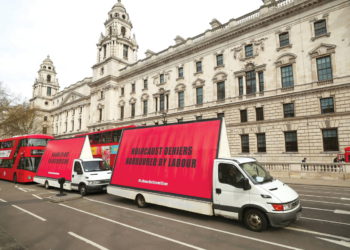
[110, 30]
[123, 30]
[48, 78]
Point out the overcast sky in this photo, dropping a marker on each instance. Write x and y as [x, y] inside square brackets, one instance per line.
[68, 31]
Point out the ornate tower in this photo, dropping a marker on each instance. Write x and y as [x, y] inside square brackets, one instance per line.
[117, 47]
[46, 85]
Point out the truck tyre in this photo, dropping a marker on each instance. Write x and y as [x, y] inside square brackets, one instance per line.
[140, 201]
[82, 189]
[15, 178]
[255, 220]
[46, 185]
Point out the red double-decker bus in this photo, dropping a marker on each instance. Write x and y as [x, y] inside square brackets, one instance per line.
[105, 143]
[20, 156]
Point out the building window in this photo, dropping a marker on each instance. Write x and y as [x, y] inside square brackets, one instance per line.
[261, 81]
[48, 78]
[221, 90]
[320, 28]
[221, 115]
[327, 105]
[288, 110]
[48, 91]
[72, 125]
[245, 143]
[45, 118]
[330, 139]
[199, 67]
[240, 85]
[125, 51]
[181, 99]
[250, 82]
[102, 95]
[133, 88]
[199, 117]
[259, 114]
[44, 130]
[220, 60]
[161, 78]
[244, 115]
[261, 142]
[248, 50]
[121, 112]
[122, 91]
[104, 51]
[161, 102]
[179, 120]
[324, 68]
[199, 95]
[291, 141]
[132, 109]
[284, 39]
[79, 123]
[145, 107]
[180, 72]
[145, 84]
[100, 114]
[123, 31]
[287, 76]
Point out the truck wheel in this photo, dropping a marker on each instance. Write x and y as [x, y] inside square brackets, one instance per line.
[140, 201]
[82, 190]
[15, 178]
[255, 220]
[46, 185]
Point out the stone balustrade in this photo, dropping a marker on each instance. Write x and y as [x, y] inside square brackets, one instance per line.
[320, 171]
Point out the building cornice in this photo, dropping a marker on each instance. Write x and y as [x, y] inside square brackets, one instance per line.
[226, 32]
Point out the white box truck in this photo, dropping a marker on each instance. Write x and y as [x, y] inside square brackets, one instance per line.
[188, 166]
[72, 160]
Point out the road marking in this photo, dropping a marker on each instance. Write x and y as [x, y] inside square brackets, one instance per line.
[338, 211]
[26, 211]
[134, 228]
[195, 225]
[317, 233]
[343, 198]
[87, 241]
[3, 200]
[342, 243]
[324, 197]
[327, 202]
[329, 221]
[301, 191]
[37, 197]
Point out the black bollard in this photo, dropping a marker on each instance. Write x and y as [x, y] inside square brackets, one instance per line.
[61, 181]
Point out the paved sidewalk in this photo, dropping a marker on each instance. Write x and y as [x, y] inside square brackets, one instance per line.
[334, 183]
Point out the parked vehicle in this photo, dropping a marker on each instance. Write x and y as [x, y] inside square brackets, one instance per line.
[188, 166]
[20, 156]
[72, 160]
[105, 143]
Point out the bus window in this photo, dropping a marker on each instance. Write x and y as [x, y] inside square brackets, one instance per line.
[116, 135]
[95, 138]
[107, 137]
[29, 163]
[33, 142]
[6, 163]
[7, 144]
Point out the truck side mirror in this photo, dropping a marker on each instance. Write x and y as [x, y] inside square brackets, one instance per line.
[246, 185]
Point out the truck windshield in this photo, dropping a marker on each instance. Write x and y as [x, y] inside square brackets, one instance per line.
[92, 166]
[256, 173]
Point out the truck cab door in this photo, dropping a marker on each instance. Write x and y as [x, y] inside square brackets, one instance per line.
[229, 194]
[77, 175]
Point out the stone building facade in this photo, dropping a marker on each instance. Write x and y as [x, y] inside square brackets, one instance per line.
[279, 75]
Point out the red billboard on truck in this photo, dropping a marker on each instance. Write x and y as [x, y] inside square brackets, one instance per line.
[173, 159]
